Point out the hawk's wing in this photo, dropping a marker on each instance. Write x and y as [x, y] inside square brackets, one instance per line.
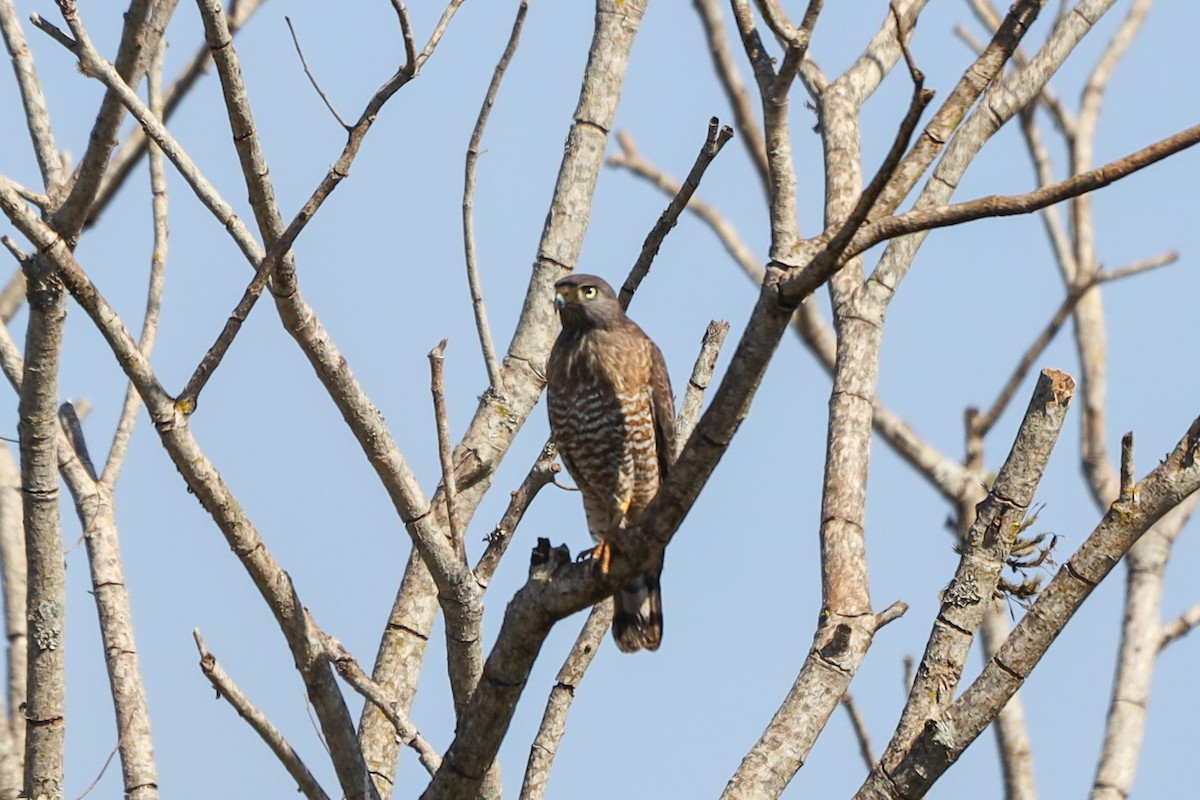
[663, 404]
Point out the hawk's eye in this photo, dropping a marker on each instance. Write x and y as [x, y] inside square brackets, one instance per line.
[588, 292]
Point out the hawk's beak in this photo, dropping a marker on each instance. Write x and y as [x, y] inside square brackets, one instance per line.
[560, 299]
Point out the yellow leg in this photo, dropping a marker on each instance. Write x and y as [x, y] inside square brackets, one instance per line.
[601, 556]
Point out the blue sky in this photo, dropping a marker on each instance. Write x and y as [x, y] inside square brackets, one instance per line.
[382, 266]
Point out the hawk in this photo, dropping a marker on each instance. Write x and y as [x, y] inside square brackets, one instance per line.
[612, 417]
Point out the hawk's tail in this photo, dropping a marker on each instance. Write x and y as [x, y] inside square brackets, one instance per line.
[637, 614]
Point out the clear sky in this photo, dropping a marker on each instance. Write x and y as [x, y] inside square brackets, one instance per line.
[382, 265]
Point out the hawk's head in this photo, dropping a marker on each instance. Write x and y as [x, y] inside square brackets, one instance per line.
[586, 301]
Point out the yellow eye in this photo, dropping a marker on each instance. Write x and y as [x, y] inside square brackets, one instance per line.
[588, 292]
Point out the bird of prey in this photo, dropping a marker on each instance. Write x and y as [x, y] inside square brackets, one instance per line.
[612, 417]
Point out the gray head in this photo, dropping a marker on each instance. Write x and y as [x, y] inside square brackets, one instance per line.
[585, 302]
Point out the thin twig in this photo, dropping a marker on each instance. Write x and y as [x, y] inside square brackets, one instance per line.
[154, 290]
[1181, 626]
[630, 158]
[983, 422]
[734, 87]
[99, 775]
[349, 669]
[1128, 479]
[12, 296]
[541, 473]
[468, 204]
[713, 142]
[312, 78]
[890, 614]
[701, 377]
[40, 200]
[270, 735]
[53, 31]
[276, 262]
[1010, 205]
[860, 730]
[437, 386]
[438, 31]
[69, 419]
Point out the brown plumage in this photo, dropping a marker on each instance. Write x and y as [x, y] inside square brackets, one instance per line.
[612, 416]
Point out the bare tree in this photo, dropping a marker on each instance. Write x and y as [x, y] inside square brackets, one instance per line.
[889, 155]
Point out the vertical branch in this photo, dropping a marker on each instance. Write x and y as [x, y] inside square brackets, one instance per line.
[45, 604]
[37, 115]
[12, 562]
[139, 39]
[781, 169]
[158, 266]
[130, 153]
[398, 667]
[735, 88]
[95, 505]
[437, 386]
[1012, 733]
[1091, 336]
[861, 734]
[468, 204]
[562, 695]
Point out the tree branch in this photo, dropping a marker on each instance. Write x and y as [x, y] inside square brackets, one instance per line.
[45, 602]
[202, 478]
[468, 204]
[154, 291]
[1179, 627]
[941, 742]
[985, 550]
[407, 733]
[12, 562]
[270, 735]
[33, 100]
[135, 146]
[983, 422]
[927, 219]
[145, 22]
[541, 473]
[562, 695]
[713, 143]
[735, 89]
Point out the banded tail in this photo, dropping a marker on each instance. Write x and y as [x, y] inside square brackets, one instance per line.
[637, 613]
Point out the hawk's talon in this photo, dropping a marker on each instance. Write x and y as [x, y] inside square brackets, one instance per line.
[601, 555]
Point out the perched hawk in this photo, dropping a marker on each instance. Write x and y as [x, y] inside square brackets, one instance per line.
[612, 417]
